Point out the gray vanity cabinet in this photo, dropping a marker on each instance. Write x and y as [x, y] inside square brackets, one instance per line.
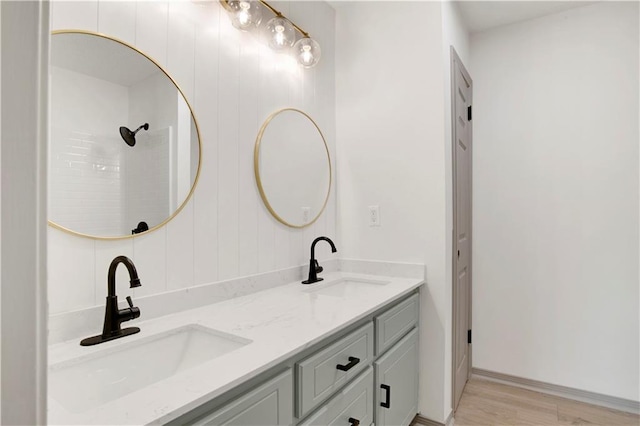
[396, 383]
[367, 375]
[269, 404]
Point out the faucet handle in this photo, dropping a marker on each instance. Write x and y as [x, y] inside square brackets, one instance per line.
[132, 312]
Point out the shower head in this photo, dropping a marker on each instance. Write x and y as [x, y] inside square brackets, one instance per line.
[129, 136]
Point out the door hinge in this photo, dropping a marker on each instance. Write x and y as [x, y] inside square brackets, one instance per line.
[469, 336]
[469, 113]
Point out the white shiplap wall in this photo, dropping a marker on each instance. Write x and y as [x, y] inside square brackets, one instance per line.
[233, 82]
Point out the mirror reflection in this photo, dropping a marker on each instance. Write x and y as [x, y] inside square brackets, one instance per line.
[293, 167]
[124, 150]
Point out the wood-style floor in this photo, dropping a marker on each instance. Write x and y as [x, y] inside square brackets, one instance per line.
[488, 403]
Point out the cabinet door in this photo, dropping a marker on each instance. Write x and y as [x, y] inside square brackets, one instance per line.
[269, 404]
[396, 381]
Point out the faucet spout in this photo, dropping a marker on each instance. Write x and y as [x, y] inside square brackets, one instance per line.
[314, 268]
[134, 281]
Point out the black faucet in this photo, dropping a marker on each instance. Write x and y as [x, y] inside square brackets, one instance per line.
[314, 268]
[113, 316]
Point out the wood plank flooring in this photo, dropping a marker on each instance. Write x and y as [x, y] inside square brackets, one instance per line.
[488, 403]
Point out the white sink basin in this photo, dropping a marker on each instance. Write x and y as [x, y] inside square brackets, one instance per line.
[90, 381]
[345, 287]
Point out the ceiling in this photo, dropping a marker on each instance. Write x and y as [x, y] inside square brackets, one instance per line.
[483, 15]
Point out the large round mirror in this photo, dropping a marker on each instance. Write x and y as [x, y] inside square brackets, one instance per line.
[293, 167]
[124, 147]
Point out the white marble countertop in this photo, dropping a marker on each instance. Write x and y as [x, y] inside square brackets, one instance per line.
[280, 322]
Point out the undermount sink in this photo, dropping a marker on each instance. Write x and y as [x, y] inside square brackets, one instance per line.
[93, 380]
[345, 287]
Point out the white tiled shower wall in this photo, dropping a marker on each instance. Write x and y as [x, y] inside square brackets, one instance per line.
[85, 153]
[233, 83]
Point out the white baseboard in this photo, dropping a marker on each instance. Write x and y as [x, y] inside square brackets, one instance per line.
[594, 398]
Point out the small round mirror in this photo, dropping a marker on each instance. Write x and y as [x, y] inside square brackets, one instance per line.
[293, 167]
[124, 149]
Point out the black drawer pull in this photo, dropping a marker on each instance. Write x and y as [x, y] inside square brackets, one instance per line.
[352, 363]
[386, 404]
[354, 422]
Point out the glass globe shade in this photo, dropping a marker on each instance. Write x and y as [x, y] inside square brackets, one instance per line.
[307, 52]
[245, 14]
[282, 35]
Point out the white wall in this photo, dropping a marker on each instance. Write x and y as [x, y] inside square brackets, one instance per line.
[233, 82]
[24, 52]
[556, 183]
[390, 123]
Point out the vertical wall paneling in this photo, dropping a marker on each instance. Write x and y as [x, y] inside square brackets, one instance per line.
[150, 257]
[180, 64]
[181, 46]
[152, 29]
[74, 15]
[75, 265]
[118, 19]
[229, 121]
[266, 224]
[282, 73]
[180, 249]
[233, 82]
[205, 103]
[248, 196]
[308, 105]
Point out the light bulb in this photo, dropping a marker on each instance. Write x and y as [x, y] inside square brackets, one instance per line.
[282, 35]
[245, 14]
[307, 52]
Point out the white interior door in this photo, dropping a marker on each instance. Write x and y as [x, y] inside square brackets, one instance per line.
[462, 136]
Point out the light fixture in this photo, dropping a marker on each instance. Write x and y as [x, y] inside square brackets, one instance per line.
[247, 14]
[282, 35]
[307, 52]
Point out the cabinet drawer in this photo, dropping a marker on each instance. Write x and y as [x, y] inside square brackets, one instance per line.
[325, 372]
[269, 404]
[354, 402]
[396, 322]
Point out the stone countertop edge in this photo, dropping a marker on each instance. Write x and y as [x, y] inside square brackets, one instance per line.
[282, 322]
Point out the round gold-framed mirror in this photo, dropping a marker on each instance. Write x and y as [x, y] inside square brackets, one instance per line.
[125, 150]
[292, 165]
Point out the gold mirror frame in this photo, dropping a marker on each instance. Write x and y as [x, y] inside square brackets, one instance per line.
[195, 121]
[256, 168]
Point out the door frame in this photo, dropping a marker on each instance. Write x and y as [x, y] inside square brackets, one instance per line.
[457, 62]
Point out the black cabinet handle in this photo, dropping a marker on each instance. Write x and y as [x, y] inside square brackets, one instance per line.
[352, 363]
[354, 422]
[387, 403]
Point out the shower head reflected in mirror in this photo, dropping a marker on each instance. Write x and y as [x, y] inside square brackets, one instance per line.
[129, 136]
